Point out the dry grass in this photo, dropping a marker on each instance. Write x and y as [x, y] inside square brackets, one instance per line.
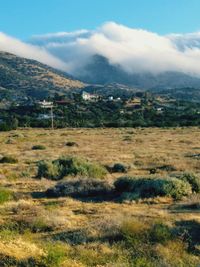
[141, 149]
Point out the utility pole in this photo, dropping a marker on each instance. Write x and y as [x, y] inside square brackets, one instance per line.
[52, 118]
[48, 105]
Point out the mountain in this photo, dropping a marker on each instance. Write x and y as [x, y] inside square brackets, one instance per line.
[25, 77]
[185, 94]
[100, 71]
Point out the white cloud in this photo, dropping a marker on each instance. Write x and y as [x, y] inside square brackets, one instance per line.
[135, 50]
[15, 46]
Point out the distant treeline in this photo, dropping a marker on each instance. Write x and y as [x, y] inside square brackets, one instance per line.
[100, 114]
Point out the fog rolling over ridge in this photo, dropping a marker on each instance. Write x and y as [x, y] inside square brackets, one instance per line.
[135, 50]
[116, 53]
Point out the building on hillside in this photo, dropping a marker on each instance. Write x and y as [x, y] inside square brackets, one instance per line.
[89, 97]
[160, 109]
[135, 103]
[45, 104]
[110, 98]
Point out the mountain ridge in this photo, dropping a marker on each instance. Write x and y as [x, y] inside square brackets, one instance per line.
[23, 76]
[100, 71]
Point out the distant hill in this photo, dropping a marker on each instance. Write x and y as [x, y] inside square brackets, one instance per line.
[20, 77]
[100, 71]
[185, 94]
[25, 77]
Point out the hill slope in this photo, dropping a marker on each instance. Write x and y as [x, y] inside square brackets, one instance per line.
[25, 77]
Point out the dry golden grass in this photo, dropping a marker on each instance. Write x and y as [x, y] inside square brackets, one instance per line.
[142, 149]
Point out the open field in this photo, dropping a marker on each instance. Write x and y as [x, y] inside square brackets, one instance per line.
[70, 231]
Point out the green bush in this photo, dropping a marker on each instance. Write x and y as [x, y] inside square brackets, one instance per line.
[193, 180]
[119, 167]
[8, 159]
[5, 195]
[152, 187]
[56, 254]
[65, 166]
[160, 233]
[81, 188]
[38, 147]
[49, 170]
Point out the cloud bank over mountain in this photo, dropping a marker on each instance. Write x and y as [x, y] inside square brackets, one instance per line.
[135, 50]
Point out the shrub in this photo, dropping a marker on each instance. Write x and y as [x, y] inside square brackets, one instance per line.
[38, 147]
[49, 170]
[152, 187]
[56, 254]
[65, 166]
[5, 195]
[80, 188]
[135, 232]
[160, 233]
[8, 159]
[193, 180]
[70, 143]
[119, 167]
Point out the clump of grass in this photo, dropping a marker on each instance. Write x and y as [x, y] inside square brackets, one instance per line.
[38, 147]
[33, 218]
[57, 169]
[5, 195]
[10, 141]
[8, 159]
[154, 244]
[17, 135]
[56, 254]
[160, 233]
[96, 254]
[133, 188]
[22, 225]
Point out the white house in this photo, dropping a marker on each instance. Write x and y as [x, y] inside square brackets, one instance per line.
[110, 98]
[45, 104]
[87, 96]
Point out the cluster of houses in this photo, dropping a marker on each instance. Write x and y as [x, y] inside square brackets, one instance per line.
[94, 97]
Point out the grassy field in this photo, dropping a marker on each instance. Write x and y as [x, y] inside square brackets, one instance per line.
[70, 231]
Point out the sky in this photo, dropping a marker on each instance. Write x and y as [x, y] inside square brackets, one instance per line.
[24, 18]
[138, 35]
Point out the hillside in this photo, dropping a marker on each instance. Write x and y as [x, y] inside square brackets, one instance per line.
[185, 94]
[25, 77]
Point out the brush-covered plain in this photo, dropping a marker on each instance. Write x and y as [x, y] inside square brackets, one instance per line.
[118, 198]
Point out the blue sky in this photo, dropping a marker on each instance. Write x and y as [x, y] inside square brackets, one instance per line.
[23, 18]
